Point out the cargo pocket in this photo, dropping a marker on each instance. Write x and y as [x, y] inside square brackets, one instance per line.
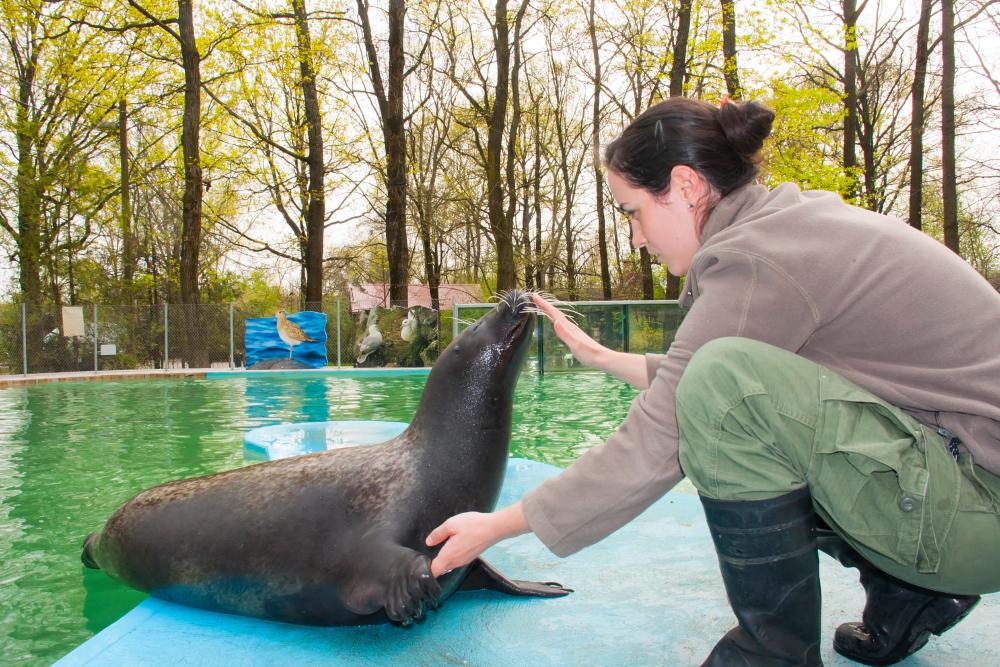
[870, 474]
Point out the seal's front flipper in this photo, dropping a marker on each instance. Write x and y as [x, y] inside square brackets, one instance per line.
[481, 575]
[411, 587]
[395, 579]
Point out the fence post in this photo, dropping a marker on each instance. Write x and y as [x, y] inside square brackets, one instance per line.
[232, 365]
[338, 332]
[96, 338]
[625, 327]
[541, 347]
[454, 320]
[24, 335]
[166, 335]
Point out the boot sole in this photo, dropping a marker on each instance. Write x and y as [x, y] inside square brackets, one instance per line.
[915, 639]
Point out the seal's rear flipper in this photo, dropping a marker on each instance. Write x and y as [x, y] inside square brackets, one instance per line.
[481, 575]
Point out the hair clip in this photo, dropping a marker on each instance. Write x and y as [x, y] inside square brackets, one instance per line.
[725, 100]
[661, 141]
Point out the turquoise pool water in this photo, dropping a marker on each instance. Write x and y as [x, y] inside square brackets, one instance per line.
[70, 453]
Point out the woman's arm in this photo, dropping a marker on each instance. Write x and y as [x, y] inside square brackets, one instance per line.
[628, 367]
[472, 533]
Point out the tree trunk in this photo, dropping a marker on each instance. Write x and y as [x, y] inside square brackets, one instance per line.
[512, 133]
[917, 116]
[537, 205]
[191, 151]
[595, 141]
[395, 153]
[678, 72]
[390, 100]
[316, 209]
[500, 225]
[949, 186]
[529, 275]
[646, 264]
[194, 351]
[28, 197]
[729, 69]
[128, 241]
[678, 68]
[850, 93]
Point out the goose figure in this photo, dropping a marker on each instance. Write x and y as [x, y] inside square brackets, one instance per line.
[371, 342]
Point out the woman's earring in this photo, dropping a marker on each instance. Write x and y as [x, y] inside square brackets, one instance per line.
[690, 205]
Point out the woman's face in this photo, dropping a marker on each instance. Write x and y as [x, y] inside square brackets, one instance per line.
[664, 224]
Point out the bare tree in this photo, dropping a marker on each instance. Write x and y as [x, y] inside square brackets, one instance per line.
[595, 142]
[949, 188]
[492, 106]
[851, 12]
[730, 70]
[390, 104]
[917, 115]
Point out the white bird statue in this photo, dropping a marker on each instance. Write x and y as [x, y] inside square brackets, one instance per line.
[369, 343]
[409, 327]
[291, 333]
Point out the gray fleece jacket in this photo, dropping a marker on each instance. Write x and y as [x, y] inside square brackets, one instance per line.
[865, 295]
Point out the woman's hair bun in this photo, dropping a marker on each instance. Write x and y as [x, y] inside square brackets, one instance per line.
[746, 125]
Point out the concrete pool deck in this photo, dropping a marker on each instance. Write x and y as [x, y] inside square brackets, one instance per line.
[201, 373]
[648, 595]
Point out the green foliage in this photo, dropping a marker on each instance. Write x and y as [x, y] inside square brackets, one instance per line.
[258, 295]
[802, 148]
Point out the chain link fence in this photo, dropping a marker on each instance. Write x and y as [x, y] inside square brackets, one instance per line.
[59, 339]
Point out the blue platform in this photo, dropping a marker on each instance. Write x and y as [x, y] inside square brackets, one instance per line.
[648, 595]
[269, 443]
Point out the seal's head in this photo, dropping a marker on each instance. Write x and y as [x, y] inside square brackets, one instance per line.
[481, 365]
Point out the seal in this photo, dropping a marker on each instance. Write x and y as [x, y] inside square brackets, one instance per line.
[337, 537]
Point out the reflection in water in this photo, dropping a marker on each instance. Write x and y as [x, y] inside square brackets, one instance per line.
[71, 453]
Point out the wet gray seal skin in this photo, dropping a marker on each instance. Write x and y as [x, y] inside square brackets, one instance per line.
[337, 537]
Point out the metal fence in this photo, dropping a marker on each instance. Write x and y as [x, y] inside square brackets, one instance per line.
[624, 326]
[93, 337]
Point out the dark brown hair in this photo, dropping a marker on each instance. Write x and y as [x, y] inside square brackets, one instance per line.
[722, 143]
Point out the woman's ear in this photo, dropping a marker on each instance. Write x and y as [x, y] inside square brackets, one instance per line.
[687, 184]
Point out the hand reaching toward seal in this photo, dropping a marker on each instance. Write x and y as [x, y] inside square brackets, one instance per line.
[628, 367]
[586, 350]
[471, 533]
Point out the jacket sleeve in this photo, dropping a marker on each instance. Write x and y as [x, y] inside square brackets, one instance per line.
[738, 295]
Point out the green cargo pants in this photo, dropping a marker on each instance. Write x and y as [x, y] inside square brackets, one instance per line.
[757, 421]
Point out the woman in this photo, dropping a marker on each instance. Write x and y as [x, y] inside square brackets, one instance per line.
[835, 384]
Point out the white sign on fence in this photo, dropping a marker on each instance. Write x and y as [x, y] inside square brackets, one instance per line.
[108, 349]
[72, 320]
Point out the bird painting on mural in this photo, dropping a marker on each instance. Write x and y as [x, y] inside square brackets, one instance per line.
[369, 343]
[291, 333]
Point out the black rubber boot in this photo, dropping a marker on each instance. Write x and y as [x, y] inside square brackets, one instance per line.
[898, 618]
[767, 556]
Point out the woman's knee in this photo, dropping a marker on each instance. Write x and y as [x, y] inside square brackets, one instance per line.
[715, 365]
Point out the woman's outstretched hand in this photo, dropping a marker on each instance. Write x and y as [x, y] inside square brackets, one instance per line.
[467, 535]
[628, 367]
[586, 350]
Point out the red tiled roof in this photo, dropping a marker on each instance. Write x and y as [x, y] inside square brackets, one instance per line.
[367, 296]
